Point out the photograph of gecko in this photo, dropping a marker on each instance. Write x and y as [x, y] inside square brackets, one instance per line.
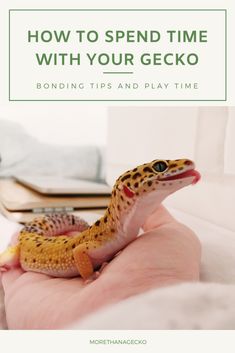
[156, 253]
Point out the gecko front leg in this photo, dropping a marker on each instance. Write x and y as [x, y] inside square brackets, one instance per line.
[83, 261]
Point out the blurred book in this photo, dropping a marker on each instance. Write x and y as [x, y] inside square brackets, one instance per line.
[25, 216]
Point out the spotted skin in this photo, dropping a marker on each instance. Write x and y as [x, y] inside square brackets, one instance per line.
[55, 224]
[46, 247]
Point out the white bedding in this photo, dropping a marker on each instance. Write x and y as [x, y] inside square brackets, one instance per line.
[184, 306]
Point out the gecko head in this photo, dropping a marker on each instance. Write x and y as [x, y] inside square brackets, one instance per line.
[166, 176]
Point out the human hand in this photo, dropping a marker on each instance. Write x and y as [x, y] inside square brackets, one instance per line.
[166, 253]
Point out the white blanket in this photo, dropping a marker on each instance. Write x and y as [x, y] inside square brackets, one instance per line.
[186, 306]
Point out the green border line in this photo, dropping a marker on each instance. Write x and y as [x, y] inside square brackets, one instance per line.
[117, 10]
[118, 100]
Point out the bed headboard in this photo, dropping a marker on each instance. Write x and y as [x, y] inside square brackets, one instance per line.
[205, 134]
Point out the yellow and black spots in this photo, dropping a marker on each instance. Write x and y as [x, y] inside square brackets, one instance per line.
[48, 253]
[146, 177]
[55, 224]
[44, 249]
[131, 186]
[100, 231]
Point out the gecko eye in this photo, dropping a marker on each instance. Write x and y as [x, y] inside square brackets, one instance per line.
[160, 166]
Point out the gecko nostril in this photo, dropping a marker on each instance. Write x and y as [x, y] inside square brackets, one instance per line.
[188, 162]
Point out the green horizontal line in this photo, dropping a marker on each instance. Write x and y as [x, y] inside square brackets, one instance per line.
[118, 72]
[117, 100]
[117, 9]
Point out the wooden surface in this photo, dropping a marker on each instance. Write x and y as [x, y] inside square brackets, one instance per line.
[16, 197]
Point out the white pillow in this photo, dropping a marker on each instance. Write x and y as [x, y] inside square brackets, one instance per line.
[22, 154]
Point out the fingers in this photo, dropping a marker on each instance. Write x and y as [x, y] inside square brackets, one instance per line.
[9, 277]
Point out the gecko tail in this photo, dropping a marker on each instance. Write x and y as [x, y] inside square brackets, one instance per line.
[10, 258]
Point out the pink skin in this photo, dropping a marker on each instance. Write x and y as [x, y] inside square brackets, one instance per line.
[166, 254]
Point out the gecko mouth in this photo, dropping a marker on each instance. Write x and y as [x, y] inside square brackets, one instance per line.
[189, 173]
